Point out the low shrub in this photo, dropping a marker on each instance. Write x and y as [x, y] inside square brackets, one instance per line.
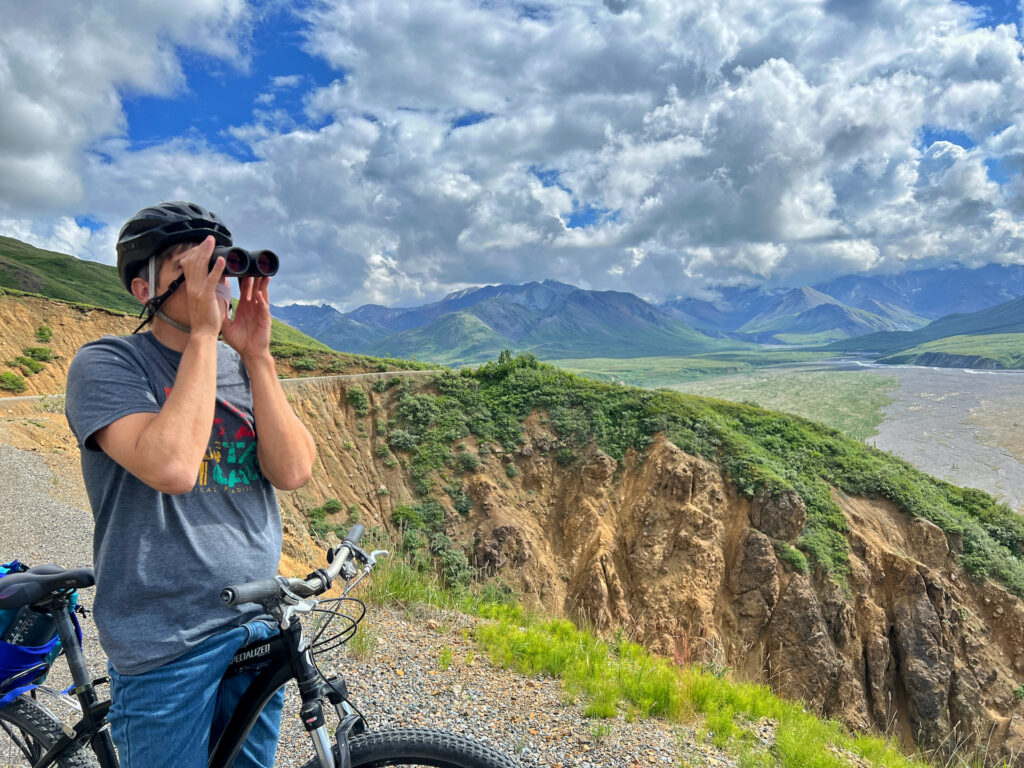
[27, 365]
[42, 354]
[791, 555]
[12, 382]
[318, 524]
[468, 461]
[401, 440]
[359, 401]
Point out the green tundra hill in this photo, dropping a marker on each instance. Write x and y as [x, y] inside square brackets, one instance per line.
[53, 275]
[966, 335]
[997, 350]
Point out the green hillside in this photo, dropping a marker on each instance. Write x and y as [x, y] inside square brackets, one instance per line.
[1005, 318]
[999, 350]
[578, 332]
[58, 276]
[452, 339]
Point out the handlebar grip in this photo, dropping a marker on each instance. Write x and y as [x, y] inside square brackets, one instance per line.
[355, 533]
[253, 592]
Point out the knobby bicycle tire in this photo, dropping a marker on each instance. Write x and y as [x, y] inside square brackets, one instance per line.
[421, 747]
[28, 729]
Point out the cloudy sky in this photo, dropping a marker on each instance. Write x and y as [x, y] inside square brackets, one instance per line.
[393, 151]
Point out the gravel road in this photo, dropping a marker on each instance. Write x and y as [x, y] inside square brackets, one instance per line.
[398, 677]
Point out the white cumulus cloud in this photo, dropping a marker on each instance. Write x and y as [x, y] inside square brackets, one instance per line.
[658, 146]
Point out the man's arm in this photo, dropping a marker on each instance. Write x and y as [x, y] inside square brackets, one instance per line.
[284, 446]
[164, 450]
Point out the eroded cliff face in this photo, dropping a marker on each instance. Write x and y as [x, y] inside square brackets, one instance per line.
[21, 316]
[664, 547]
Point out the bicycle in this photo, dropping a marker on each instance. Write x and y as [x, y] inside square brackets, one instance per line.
[36, 737]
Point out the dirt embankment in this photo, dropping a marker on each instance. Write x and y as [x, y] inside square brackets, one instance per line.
[664, 547]
[71, 326]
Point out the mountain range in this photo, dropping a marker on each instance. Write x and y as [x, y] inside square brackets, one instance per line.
[550, 319]
[555, 320]
[848, 306]
[977, 317]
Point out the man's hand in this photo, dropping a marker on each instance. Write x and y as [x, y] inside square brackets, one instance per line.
[248, 332]
[205, 308]
[285, 448]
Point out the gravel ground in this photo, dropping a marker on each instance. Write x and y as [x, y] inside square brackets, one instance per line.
[396, 678]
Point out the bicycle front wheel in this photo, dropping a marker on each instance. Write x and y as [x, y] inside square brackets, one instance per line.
[27, 730]
[413, 747]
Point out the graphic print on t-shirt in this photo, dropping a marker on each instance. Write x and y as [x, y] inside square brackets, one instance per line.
[230, 464]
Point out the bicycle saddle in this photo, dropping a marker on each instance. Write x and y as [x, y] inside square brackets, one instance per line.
[18, 589]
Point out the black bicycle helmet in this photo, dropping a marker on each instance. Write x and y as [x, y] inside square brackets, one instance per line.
[153, 229]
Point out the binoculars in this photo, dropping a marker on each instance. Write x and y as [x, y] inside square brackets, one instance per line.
[239, 262]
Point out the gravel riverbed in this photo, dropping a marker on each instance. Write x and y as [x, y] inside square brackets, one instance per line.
[415, 667]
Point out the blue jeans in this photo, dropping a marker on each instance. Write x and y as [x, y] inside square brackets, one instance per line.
[171, 715]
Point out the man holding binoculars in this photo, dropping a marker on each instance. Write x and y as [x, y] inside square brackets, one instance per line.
[183, 440]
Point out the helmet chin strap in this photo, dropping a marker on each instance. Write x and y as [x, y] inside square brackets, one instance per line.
[152, 309]
[171, 322]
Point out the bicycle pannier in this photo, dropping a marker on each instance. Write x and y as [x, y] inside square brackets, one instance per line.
[28, 644]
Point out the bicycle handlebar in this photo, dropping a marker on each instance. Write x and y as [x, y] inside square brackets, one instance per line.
[253, 592]
[269, 589]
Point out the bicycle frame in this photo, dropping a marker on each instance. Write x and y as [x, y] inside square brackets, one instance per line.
[275, 661]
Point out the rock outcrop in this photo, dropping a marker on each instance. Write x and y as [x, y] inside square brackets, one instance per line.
[665, 548]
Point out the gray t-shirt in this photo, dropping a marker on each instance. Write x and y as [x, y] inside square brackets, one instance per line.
[161, 560]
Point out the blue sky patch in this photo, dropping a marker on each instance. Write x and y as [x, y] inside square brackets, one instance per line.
[932, 133]
[89, 222]
[549, 177]
[470, 118]
[995, 12]
[996, 170]
[218, 96]
[587, 215]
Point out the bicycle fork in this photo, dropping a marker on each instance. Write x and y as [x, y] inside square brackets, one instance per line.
[312, 690]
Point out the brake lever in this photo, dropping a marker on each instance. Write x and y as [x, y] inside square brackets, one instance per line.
[370, 560]
[357, 552]
[293, 604]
